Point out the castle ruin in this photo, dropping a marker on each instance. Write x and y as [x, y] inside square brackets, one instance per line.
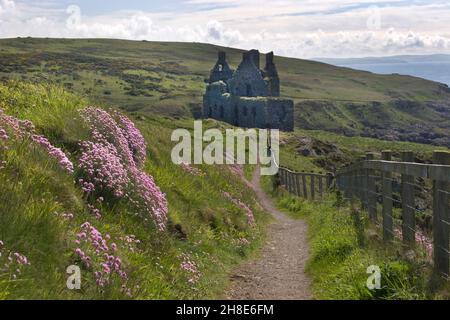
[248, 97]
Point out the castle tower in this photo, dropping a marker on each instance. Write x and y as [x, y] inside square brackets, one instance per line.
[271, 76]
[253, 55]
[221, 71]
[248, 80]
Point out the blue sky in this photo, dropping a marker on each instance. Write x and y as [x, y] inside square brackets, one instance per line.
[297, 28]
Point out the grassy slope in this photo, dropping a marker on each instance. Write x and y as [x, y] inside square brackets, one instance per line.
[34, 193]
[168, 78]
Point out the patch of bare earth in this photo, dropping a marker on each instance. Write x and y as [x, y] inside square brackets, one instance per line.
[278, 273]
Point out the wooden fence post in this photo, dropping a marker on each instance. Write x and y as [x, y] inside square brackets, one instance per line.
[288, 186]
[329, 180]
[313, 187]
[294, 186]
[388, 222]
[297, 184]
[363, 183]
[320, 186]
[441, 217]
[346, 178]
[290, 182]
[305, 189]
[371, 190]
[285, 179]
[353, 187]
[408, 223]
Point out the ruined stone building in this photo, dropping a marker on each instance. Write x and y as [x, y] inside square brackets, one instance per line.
[248, 97]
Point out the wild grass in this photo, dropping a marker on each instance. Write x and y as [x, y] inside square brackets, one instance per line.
[35, 196]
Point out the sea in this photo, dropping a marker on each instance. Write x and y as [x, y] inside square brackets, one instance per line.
[435, 71]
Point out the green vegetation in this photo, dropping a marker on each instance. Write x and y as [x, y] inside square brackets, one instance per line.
[160, 85]
[38, 199]
[322, 151]
[344, 244]
[167, 78]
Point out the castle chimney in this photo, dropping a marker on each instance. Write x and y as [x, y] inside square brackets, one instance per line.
[222, 57]
[254, 55]
[269, 60]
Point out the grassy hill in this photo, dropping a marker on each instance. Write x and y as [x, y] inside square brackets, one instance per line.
[168, 79]
[44, 212]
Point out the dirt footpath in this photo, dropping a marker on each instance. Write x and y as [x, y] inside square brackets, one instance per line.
[278, 273]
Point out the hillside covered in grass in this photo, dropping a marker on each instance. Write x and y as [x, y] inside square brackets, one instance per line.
[95, 188]
[168, 79]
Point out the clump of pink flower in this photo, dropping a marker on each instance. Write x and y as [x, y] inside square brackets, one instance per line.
[103, 171]
[95, 211]
[20, 128]
[25, 129]
[96, 254]
[111, 164]
[104, 129]
[241, 242]
[66, 215]
[3, 139]
[190, 169]
[136, 141]
[54, 152]
[130, 243]
[3, 134]
[420, 238]
[249, 213]
[12, 263]
[149, 199]
[190, 267]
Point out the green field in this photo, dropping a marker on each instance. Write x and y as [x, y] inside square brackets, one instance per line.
[168, 79]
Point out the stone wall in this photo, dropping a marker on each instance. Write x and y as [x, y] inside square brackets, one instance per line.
[281, 113]
[247, 112]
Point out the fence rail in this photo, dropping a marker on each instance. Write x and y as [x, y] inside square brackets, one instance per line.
[308, 185]
[396, 185]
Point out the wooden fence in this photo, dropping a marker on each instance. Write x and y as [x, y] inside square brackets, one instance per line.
[303, 184]
[395, 186]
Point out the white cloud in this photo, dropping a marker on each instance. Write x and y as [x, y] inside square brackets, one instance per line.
[6, 7]
[307, 28]
[219, 34]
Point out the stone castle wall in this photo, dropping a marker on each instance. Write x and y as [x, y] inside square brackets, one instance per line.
[248, 97]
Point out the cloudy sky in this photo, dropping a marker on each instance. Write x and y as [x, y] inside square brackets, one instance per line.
[296, 28]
